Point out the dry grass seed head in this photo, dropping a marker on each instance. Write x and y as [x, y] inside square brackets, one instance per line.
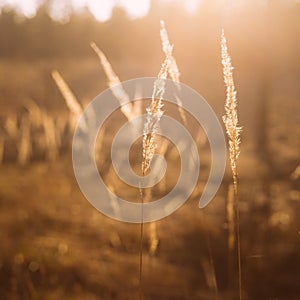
[230, 118]
[71, 101]
[114, 84]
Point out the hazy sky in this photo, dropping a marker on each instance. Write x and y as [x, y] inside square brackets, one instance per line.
[101, 9]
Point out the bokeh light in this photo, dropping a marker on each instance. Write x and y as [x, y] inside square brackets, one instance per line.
[101, 9]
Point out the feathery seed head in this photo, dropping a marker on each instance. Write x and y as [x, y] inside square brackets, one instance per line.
[230, 118]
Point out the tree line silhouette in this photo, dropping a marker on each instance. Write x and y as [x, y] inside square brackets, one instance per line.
[253, 29]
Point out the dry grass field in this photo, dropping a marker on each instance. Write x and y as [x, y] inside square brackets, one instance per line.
[55, 245]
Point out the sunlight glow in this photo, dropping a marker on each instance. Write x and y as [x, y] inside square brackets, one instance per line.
[191, 5]
[101, 9]
[135, 8]
[60, 10]
[25, 7]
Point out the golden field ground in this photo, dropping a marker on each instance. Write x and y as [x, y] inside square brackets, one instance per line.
[55, 245]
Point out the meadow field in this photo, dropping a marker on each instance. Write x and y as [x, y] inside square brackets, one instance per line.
[55, 245]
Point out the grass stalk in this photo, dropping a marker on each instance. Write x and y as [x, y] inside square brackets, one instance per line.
[230, 120]
[173, 69]
[154, 113]
[24, 147]
[50, 137]
[296, 173]
[114, 84]
[2, 146]
[72, 102]
[11, 126]
[35, 113]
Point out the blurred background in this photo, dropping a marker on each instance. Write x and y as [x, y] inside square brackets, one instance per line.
[54, 244]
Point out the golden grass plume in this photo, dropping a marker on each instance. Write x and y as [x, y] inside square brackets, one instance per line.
[173, 69]
[233, 130]
[114, 84]
[230, 118]
[168, 49]
[154, 113]
[71, 101]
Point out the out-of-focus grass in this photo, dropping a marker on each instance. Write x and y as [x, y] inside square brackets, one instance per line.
[54, 244]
